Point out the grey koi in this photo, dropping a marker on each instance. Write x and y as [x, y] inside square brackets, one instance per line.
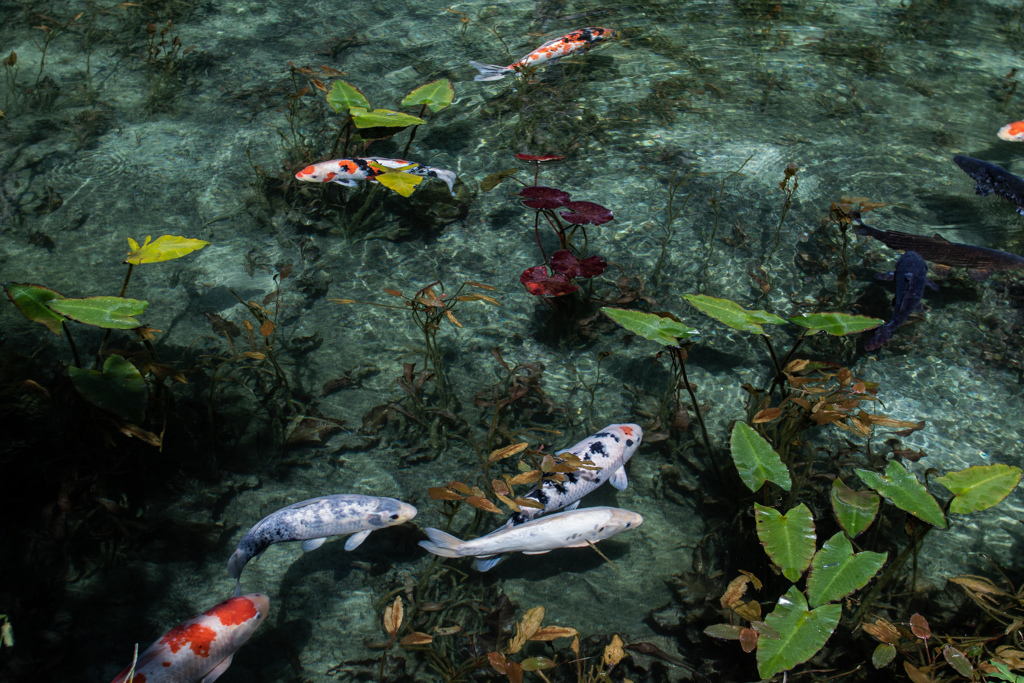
[570, 529]
[911, 278]
[312, 521]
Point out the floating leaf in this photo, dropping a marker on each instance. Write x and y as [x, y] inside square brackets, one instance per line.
[569, 265]
[344, 96]
[883, 655]
[756, 460]
[836, 571]
[494, 179]
[980, 487]
[586, 213]
[437, 95]
[656, 328]
[31, 301]
[382, 118]
[102, 311]
[855, 510]
[539, 283]
[402, 183]
[539, 158]
[120, 388]
[906, 492]
[163, 248]
[788, 539]
[540, 197]
[838, 324]
[732, 314]
[802, 633]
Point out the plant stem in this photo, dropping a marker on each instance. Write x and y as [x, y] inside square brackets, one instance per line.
[412, 135]
[71, 342]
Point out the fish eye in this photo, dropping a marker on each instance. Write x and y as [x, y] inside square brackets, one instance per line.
[394, 517]
[628, 524]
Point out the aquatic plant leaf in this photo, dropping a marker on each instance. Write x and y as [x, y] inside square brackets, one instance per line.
[855, 510]
[344, 96]
[883, 655]
[788, 539]
[483, 504]
[914, 674]
[31, 301]
[526, 628]
[416, 638]
[382, 118]
[836, 571]
[508, 451]
[837, 324]
[539, 283]
[163, 248]
[119, 388]
[540, 197]
[586, 213]
[756, 460]
[437, 95]
[402, 183]
[733, 315]
[537, 663]
[613, 652]
[958, 660]
[802, 633]
[980, 487]
[393, 615]
[548, 633]
[494, 179]
[441, 493]
[567, 263]
[112, 312]
[883, 630]
[906, 492]
[724, 631]
[656, 328]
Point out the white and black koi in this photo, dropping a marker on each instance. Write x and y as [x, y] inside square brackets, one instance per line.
[574, 42]
[349, 172]
[312, 521]
[569, 529]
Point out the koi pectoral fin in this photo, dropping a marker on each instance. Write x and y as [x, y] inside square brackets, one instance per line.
[216, 672]
[347, 182]
[356, 539]
[312, 544]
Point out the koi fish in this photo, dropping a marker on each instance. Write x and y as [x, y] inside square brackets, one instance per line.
[349, 172]
[610, 449]
[312, 521]
[938, 249]
[1012, 132]
[575, 42]
[570, 529]
[201, 648]
[990, 178]
[911, 278]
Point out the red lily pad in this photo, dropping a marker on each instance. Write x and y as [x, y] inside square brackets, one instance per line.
[539, 283]
[586, 212]
[566, 263]
[539, 197]
[539, 158]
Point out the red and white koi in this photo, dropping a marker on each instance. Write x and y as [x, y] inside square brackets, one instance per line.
[349, 172]
[201, 648]
[1012, 132]
[575, 42]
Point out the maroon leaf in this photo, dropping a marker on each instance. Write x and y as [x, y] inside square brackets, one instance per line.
[539, 158]
[587, 212]
[566, 263]
[539, 197]
[539, 283]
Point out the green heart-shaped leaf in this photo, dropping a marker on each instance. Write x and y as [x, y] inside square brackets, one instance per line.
[855, 510]
[788, 539]
[655, 328]
[980, 487]
[732, 314]
[837, 324]
[31, 301]
[802, 633]
[163, 248]
[756, 460]
[120, 388]
[342, 96]
[102, 311]
[436, 95]
[382, 118]
[836, 571]
[906, 492]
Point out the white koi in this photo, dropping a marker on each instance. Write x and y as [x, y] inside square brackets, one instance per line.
[349, 172]
[571, 529]
[312, 521]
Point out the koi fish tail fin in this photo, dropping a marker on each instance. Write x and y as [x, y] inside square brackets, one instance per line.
[491, 72]
[441, 543]
[448, 177]
[881, 336]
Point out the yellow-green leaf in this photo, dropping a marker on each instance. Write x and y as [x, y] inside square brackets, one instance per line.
[382, 118]
[402, 183]
[980, 487]
[31, 301]
[732, 314]
[111, 312]
[755, 459]
[788, 539]
[802, 633]
[163, 248]
[436, 95]
[906, 492]
[855, 510]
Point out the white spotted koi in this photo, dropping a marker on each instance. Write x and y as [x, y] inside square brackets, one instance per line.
[349, 172]
[575, 42]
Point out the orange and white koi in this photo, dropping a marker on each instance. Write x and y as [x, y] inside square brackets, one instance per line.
[575, 42]
[348, 172]
[1012, 132]
[201, 648]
